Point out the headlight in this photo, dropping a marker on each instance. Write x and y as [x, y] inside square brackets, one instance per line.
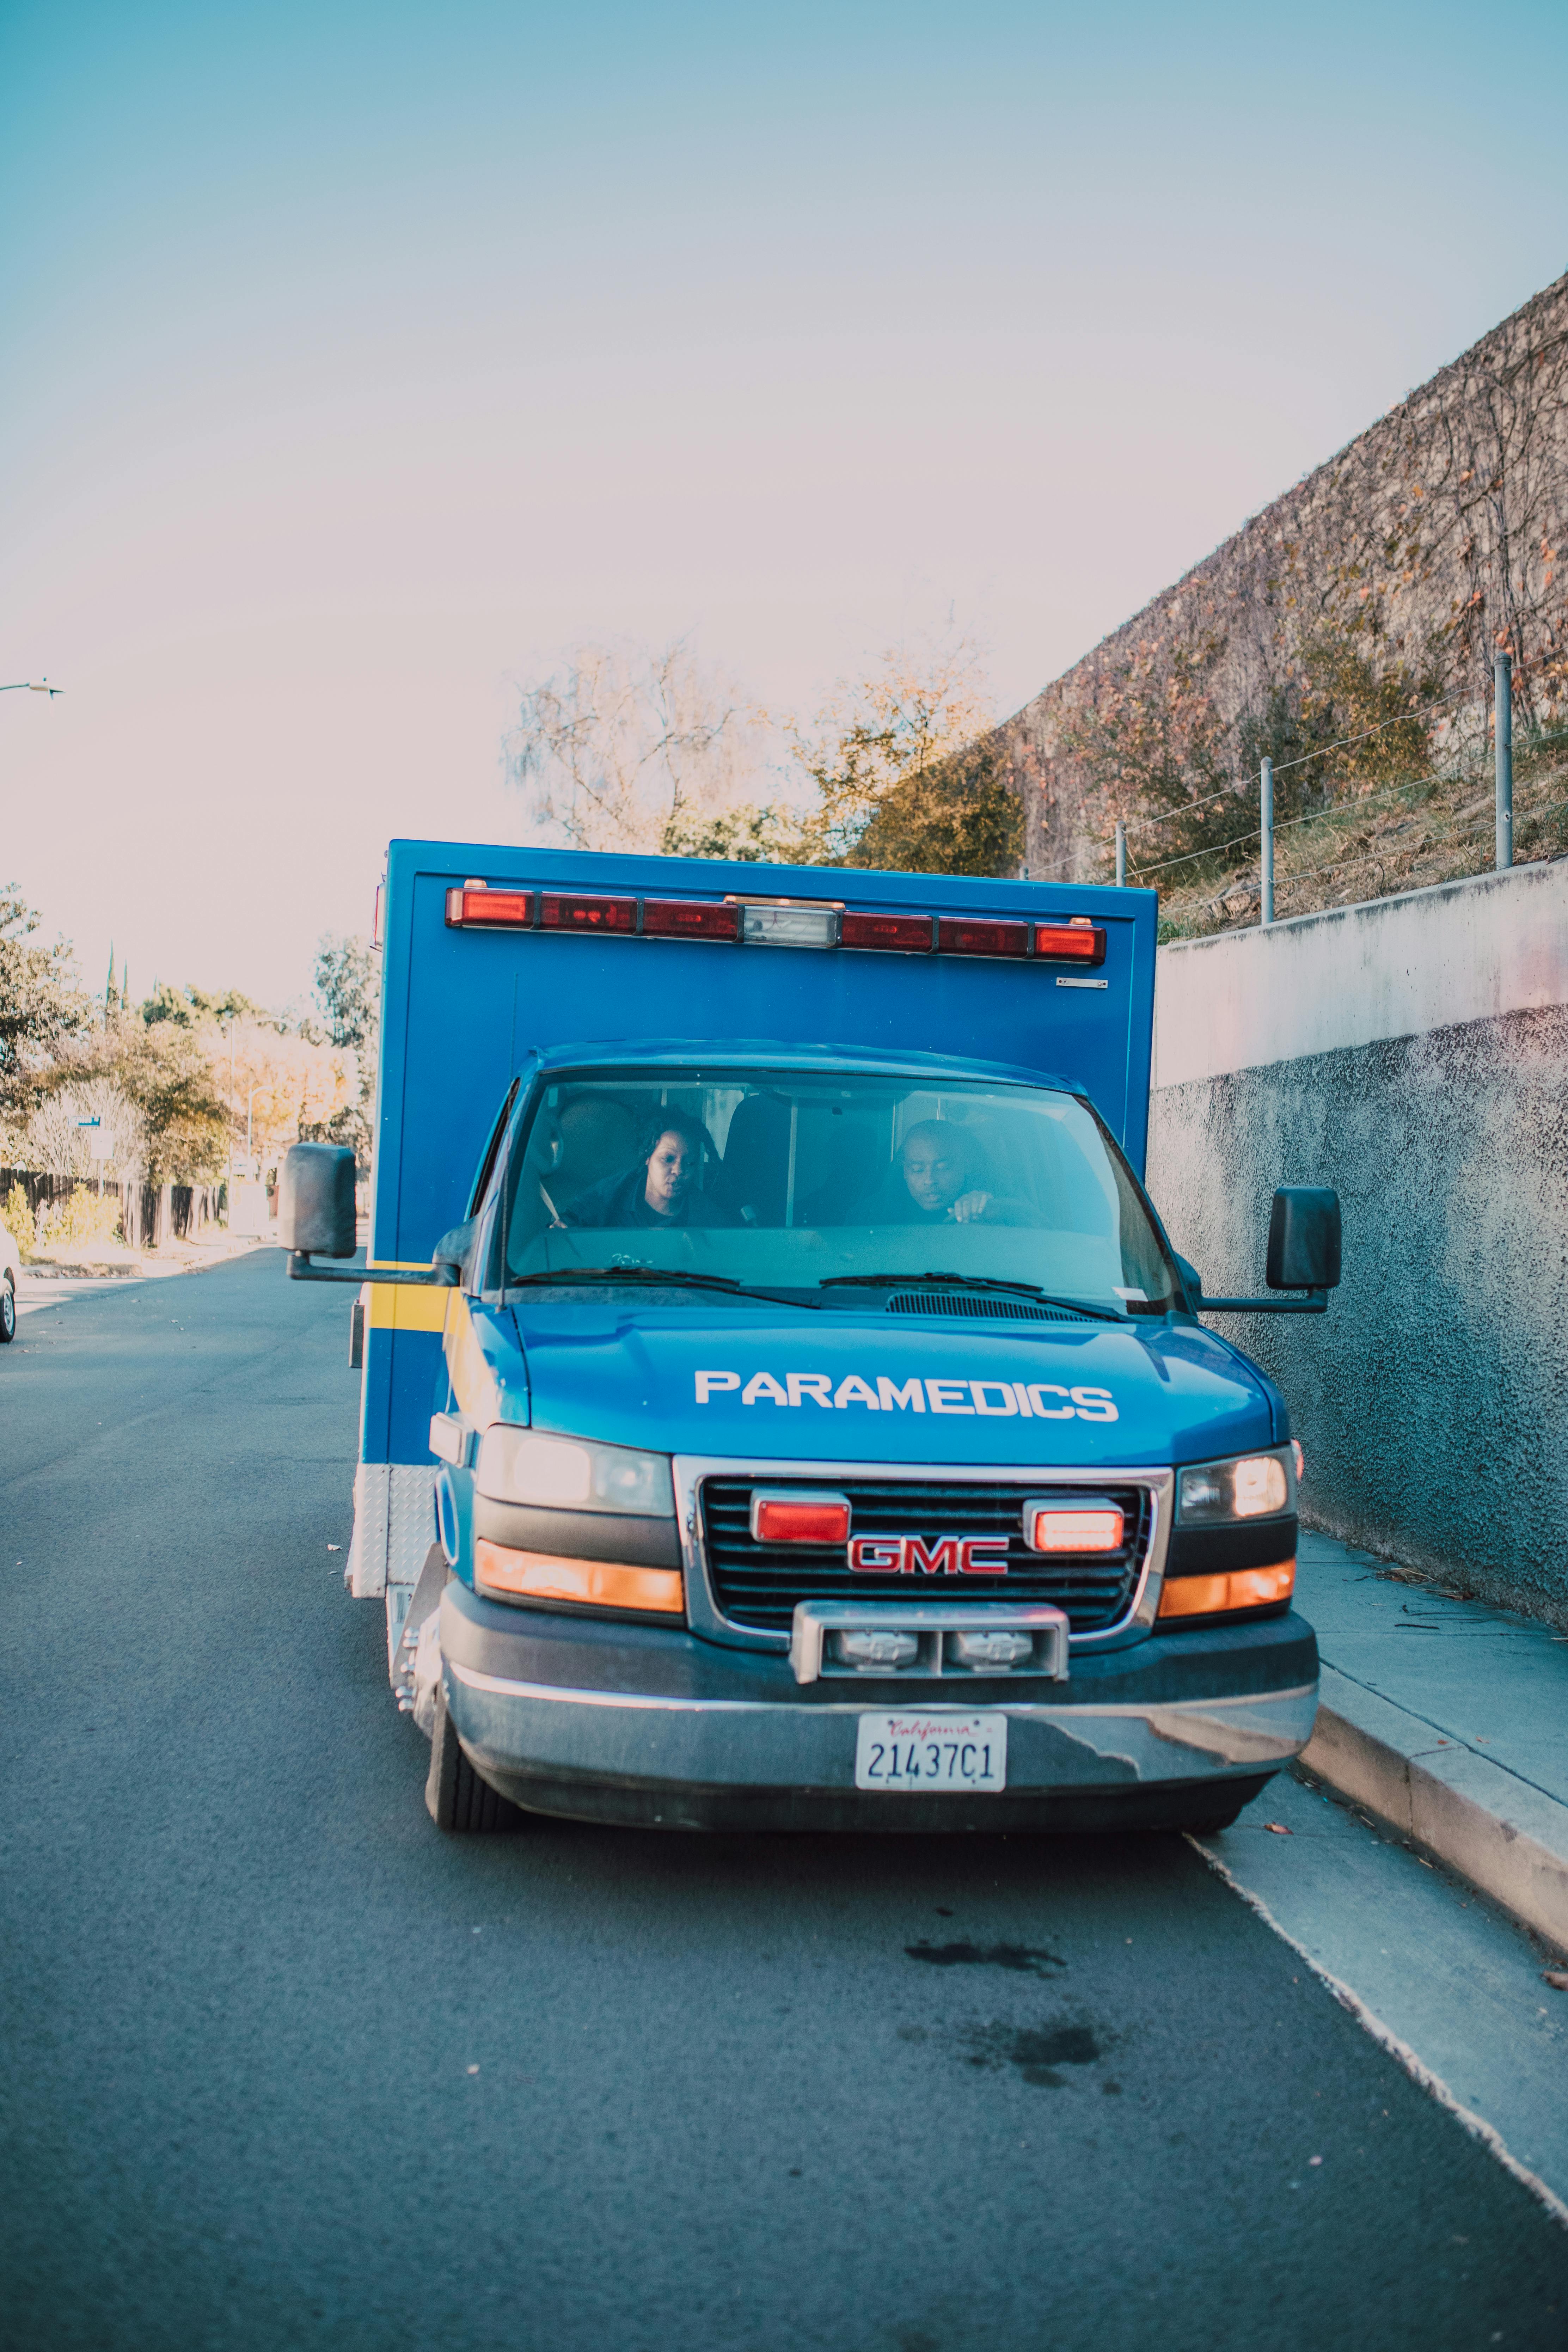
[569, 1473]
[1249, 1486]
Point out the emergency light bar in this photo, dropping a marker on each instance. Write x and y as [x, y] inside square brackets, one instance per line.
[956, 935]
[782, 922]
[477, 908]
[557, 912]
[690, 918]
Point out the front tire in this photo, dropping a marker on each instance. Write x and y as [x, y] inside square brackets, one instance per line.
[7, 1311]
[459, 1801]
[1209, 1824]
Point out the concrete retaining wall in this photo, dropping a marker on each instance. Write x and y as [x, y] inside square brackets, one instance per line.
[1413, 1053]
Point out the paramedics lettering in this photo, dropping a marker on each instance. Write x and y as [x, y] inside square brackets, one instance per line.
[993, 1400]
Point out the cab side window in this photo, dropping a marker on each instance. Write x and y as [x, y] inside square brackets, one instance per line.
[487, 1167]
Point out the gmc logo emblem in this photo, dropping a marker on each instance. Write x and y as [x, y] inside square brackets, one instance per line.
[913, 1555]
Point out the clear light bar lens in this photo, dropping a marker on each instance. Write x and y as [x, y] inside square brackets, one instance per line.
[789, 926]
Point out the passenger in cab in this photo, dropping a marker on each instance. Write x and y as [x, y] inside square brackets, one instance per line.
[663, 1187]
[932, 1183]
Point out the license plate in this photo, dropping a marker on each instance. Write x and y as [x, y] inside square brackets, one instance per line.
[921, 1755]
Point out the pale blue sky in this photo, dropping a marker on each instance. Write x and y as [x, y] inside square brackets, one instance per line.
[360, 358]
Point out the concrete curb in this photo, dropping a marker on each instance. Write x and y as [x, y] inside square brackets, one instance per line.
[1501, 1833]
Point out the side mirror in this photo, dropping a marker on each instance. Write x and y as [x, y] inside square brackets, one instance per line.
[1304, 1238]
[453, 1247]
[1191, 1281]
[316, 1200]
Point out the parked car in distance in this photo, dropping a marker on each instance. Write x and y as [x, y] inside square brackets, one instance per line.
[10, 1275]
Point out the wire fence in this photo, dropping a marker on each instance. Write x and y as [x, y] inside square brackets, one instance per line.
[1277, 855]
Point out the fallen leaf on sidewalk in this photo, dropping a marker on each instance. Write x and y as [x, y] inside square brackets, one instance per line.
[1558, 1977]
[1279, 1829]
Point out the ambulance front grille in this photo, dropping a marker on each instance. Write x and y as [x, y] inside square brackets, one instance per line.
[758, 1584]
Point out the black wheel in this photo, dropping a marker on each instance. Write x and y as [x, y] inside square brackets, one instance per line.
[7, 1311]
[459, 1801]
[1210, 1824]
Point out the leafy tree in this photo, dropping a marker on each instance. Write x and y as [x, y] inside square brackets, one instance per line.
[348, 991]
[190, 1007]
[41, 1006]
[746, 833]
[907, 772]
[960, 815]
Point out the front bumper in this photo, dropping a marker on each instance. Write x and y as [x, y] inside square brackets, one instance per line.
[652, 1725]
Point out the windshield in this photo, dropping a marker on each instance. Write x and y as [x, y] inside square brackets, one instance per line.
[784, 1178]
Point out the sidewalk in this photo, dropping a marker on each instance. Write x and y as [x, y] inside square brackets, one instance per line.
[1448, 1720]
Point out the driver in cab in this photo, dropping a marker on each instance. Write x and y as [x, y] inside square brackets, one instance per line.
[932, 1183]
[663, 1189]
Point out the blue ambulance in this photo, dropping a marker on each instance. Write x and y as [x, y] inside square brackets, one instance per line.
[782, 1406]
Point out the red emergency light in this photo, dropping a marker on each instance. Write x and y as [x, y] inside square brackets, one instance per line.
[797, 1517]
[906, 934]
[958, 935]
[1077, 942]
[690, 918]
[475, 907]
[557, 912]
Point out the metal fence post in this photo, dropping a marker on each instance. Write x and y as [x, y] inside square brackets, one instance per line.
[1503, 718]
[1120, 855]
[1265, 798]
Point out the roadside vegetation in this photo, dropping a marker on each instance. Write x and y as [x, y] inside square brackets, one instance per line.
[1383, 781]
[623, 747]
[172, 1086]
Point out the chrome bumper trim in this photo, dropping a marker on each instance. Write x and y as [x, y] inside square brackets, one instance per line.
[520, 1728]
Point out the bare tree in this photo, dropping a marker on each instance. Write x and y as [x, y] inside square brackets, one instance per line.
[58, 1139]
[629, 748]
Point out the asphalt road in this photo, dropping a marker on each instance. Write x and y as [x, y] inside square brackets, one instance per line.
[283, 2067]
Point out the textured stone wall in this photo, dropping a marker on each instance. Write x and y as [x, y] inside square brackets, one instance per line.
[1432, 1399]
[1442, 530]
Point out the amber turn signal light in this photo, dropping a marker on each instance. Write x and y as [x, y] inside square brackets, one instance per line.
[1244, 1587]
[593, 1583]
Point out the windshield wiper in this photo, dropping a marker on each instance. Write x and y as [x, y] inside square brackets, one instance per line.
[967, 1282]
[665, 1276]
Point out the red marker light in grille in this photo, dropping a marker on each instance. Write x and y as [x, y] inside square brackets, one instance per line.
[690, 918]
[956, 935]
[907, 934]
[1072, 1527]
[560, 913]
[476, 908]
[1070, 942]
[797, 1516]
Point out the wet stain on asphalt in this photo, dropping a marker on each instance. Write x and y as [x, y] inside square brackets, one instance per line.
[1027, 1960]
[1035, 2053]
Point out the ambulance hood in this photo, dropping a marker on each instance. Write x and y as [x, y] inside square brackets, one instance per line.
[753, 1383]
